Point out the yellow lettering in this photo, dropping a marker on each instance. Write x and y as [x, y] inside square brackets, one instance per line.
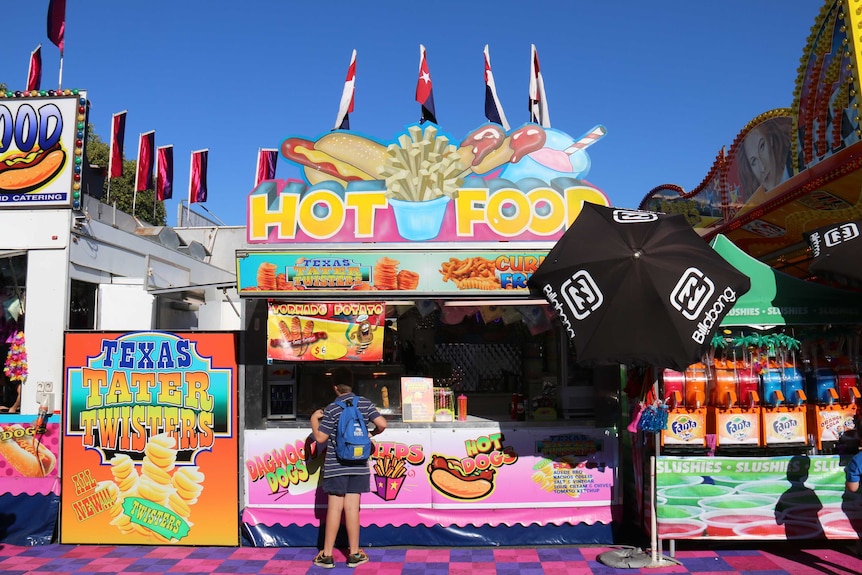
[365, 206]
[282, 217]
[325, 225]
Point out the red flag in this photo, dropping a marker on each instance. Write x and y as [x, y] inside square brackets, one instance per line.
[538, 102]
[118, 136]
[345, 108]
[57, 23]
[266, 160]
[34, 73]
[424, 93]
[198, 177]
[493, 109]
[146, 162]
[165, 179]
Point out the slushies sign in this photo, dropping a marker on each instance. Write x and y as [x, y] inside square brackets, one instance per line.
[526, 184]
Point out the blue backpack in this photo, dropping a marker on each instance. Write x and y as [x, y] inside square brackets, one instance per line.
[352, 441]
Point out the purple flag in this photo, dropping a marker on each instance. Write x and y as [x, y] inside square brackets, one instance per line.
[198, 177]
[118, 137]
[146, 162]
[266, 160]
[57, 23]
[165, 179]
[34, 73]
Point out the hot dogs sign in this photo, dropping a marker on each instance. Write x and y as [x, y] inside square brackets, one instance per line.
[527, 184]
[41, 147]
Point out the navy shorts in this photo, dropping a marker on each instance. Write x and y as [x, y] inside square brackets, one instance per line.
[342, 484]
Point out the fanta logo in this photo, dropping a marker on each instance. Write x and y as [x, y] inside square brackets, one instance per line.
[785, 425]
[738, 426]
[679, 427]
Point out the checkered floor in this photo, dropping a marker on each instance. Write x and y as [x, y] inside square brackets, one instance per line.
[80, 560]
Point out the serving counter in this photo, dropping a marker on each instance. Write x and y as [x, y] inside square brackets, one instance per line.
[455, 483]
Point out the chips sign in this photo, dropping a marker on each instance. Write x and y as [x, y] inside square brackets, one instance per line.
[150, 439]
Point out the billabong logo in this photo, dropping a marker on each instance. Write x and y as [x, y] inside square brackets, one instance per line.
[633, 216]
[839, 234]
[691, 293]
[581, 294]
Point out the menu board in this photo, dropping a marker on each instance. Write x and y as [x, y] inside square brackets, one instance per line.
[417, 399]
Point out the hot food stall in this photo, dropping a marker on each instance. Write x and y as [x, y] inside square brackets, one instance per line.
[408, 261]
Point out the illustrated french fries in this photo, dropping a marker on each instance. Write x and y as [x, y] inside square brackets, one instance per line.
[422, 166]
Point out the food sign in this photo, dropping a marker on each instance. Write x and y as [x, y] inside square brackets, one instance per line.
[325, 331]
[527, 184]
[41, 147]
[150, 439]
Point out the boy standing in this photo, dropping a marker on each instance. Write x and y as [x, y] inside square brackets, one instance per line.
[343, 482]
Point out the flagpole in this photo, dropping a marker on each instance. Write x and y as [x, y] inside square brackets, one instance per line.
[189, 207]
[137, 173]
[60, 86]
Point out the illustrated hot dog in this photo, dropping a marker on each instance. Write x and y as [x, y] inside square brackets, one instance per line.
[27, 457]
[25, 172]
[340, 156]
[447, 476]
[489, 147]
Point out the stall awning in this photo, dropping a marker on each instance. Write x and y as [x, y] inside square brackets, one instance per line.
[777, 298]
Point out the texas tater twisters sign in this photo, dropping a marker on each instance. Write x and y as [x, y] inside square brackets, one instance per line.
[527, 184]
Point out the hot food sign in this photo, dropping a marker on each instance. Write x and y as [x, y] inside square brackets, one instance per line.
[526, 184]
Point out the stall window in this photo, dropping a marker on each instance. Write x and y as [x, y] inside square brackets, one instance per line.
[82, 305]
[13, 290]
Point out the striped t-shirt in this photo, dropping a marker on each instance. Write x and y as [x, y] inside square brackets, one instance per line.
[329, 425]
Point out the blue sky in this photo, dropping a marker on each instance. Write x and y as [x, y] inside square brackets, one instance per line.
[672, 80]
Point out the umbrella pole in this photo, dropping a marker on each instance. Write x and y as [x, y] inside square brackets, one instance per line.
[652, 498]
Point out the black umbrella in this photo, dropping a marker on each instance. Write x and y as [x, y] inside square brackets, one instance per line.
[836, 252]
[636, 287]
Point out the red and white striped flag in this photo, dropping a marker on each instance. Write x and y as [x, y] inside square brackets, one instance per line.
[146, 162]
[198, 177]
[345, 108]
[165, 177]
[118, 137]
[57, 23]
[493, 109]
[538, 102]
[266, 160]
[34, 72]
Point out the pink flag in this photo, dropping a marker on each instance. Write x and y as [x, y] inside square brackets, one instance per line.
[57, 23]
[424, 92]
[34, 73]
[146, 162]
[266, 160]
[118, 136]
[198, 177]
[345, 108]
[538, 102]
[165, 179]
